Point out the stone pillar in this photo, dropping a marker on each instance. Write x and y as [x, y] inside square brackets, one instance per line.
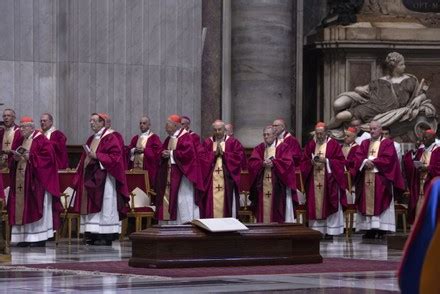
[211, 65]
[261, 66]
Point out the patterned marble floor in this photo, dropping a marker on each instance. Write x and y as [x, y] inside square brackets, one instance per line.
[21, 280]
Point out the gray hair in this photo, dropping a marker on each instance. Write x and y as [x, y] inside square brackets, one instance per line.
[377, 123]
[147, 117]
[272, 129]
[10, 110]
[219, 121]
[48, 115]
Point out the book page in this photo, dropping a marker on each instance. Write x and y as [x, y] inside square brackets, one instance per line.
[21, 150]
[220, 224]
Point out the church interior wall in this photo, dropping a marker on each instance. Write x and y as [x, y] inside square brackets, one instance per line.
[124, 57]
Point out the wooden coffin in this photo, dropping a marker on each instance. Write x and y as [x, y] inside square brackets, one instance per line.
[190, 246]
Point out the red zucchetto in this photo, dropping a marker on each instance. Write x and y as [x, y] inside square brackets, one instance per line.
[320, 125]
[174, 118]
[26, 119]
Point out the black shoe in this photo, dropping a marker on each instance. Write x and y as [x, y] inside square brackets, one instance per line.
[37, 244]
[102, 242]
[22, 244]
[381, 235]
[369, 235]
[90, 242]
[328, 237]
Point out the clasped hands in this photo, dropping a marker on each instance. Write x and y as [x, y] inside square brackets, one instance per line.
[138, 150]
[24, 156]
[92, 155]
[166, 154]
[369, 164]
[268, 163]
[318, 160]
[219, 150]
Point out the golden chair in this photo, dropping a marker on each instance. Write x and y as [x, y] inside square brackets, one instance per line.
[5, 221]
[301, 209]
[244, 213]
[66, 180]
[350, 211]
[402, 210]
[4, 213]
[137, 179]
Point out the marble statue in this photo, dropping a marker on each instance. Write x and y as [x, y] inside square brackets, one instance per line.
[397, 100]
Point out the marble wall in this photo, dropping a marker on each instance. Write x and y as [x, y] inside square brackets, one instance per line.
[124, 57]
[28, 56]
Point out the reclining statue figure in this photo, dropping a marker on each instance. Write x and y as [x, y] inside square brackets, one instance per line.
[397, 97]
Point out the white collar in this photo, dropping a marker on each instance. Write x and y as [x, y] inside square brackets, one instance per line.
[432, 146]
[52, 128]
[99, 133]
[281, 136]
[377, 140]
[325, 141]
[144, 134]
[10, 128]
[33, 135]
[224, 139]
[176, 133]
[351, 144]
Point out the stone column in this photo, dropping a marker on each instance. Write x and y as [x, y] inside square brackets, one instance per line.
[211, 65]
[261, 66]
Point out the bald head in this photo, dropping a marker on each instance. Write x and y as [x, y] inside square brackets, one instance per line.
[108, 121]
[229, 129]
[375, 129]
[186, 122]
[321, 134]
[8, 117]
[428, 138]
[279, 125]
[349, 138]
[46, 121]
[218, 129]
[269, 135]
[144, 124]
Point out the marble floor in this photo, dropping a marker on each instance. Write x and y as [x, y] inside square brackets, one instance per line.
[15, 279]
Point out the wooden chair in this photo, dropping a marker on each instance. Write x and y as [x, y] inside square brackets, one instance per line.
[66, 179]
[139, 208]
[301, 209]
[5, 253]
[350, 211]
[401, 210]
[244, 213]
[4, 213]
